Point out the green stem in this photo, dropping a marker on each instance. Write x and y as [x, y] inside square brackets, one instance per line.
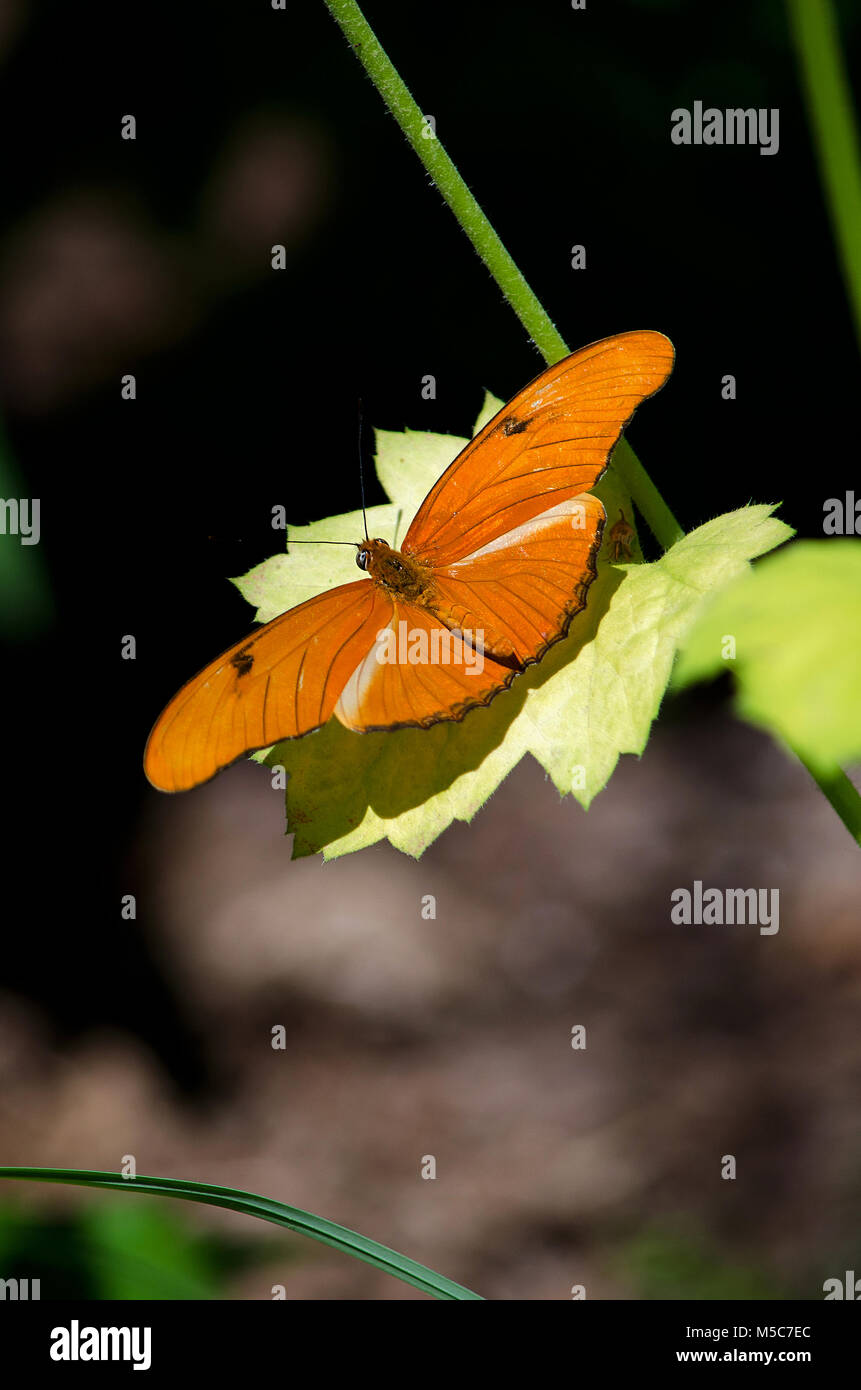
[656, 513]
[829, 104]
[267, 1209]
[443, 171]
[488, 244]
[841, 793]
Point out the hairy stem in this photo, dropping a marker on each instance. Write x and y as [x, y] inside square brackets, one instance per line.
[489, 245]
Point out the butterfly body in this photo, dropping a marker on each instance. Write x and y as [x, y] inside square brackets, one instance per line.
[494, 566]
[401, 575]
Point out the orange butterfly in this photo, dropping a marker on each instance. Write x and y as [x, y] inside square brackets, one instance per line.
[496, 563]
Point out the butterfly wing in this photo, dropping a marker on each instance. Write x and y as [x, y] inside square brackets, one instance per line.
[550, 443]
[520, 592]
[284, 680]
[509, 532]
[417, 673]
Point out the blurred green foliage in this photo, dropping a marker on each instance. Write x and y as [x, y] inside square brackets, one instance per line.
[667, 1264]
[124, 1250]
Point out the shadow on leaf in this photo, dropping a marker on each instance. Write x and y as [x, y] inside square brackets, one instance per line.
[336, 776]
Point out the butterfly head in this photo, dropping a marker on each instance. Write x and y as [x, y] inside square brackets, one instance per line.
[368, 551]
[401, 575]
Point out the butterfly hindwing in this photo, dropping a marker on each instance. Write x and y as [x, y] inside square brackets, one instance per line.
[521, 591]
[418, 673]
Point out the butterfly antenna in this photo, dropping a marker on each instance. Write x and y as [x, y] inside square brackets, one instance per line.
[362, 475]
[397, 528]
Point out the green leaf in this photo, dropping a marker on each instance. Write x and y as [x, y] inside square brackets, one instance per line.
[592, 697]
[795, 621]
[267, 1209]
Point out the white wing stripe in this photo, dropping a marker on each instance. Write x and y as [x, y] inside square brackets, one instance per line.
[575, 506]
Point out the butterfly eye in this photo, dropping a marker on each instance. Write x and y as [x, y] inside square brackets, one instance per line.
[362, 559]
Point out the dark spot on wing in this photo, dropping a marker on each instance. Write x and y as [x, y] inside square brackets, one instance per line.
[243, 661]
[511, 425]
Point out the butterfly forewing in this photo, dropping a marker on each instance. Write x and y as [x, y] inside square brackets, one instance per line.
[282, 681]
[522, 590]
[551, 442]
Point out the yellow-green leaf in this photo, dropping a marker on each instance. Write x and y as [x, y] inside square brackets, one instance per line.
[592, 697]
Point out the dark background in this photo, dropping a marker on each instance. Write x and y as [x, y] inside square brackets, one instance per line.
[152, 257]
